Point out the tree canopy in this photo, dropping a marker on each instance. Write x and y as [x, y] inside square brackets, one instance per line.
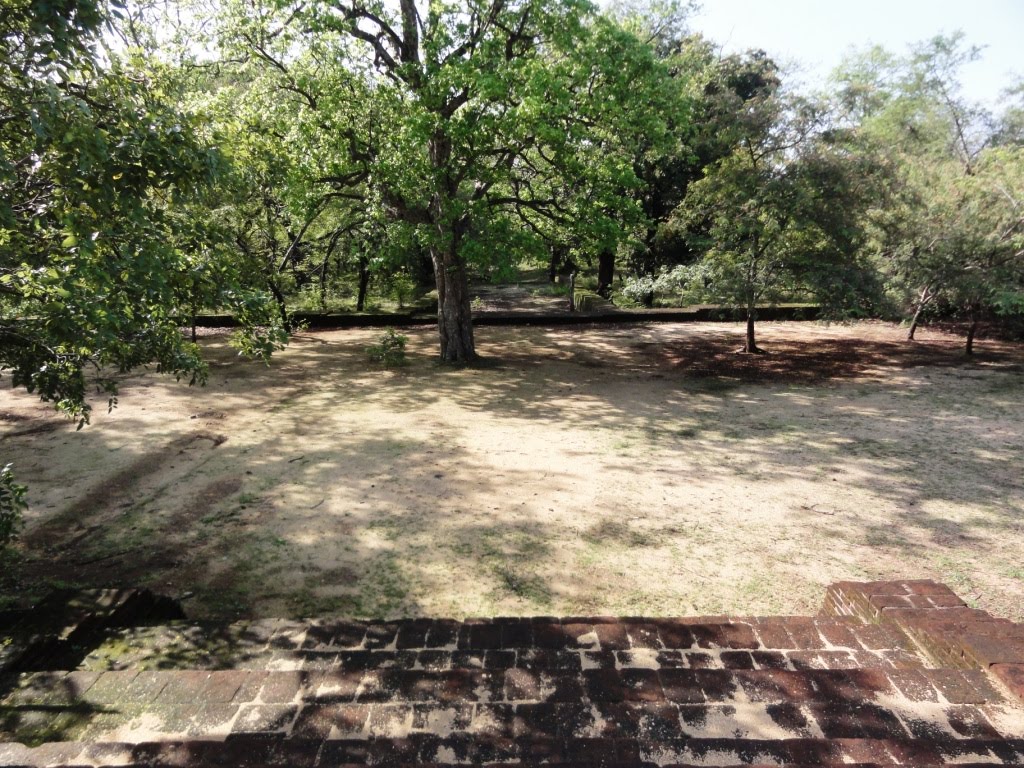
[99, 260]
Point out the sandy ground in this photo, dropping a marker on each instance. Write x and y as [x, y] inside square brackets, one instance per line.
[609, 470]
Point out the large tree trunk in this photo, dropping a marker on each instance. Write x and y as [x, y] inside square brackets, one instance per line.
[922, 301]
[972, 329]
[750, 346]
[282, 305]
[454, 316]
[364, 283]
[605, 272]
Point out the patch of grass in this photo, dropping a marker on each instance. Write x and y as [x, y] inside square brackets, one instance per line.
[383, 589]
[387, 527]
[522, 584]
[307, 603]
[617, 533]
[713, 385]
[34, 727]
[229, 597]
[955, 575]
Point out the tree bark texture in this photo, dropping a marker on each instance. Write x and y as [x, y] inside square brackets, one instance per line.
[925, 297]
[282, 305]
[364, 283]
[454, 315]
[972, 329]
[751, 342]
[605, 272]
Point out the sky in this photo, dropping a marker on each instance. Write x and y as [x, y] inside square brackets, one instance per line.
[816, 33]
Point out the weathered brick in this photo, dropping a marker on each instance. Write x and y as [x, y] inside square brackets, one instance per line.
[499, 659]
[887, 602]
[549, 635]
[434, 661]
[267, 718]
[716, 684]
[641, 685]
[517, 635]
[282, 687]
[836, 633]
[443, 719]
[343, 752]
[820, 659]
[737, 659]
[79, 682]
[985, 650]
[776, 686]
[638, 720]
[413, 634]
[480, 637]
[590, 751]
[1012, 676]
[550, 720]
[859, 721]
[682, 686]
[381, 636]
[788, 716]
[612, 637]
[928, 587]
[603, 685]
[875, 638]
[468, 659]
[970, 722]
[870, 751]
[443, 633]
[700, 660]
[962, 686]
[333, 685]
[339, 721]
[769, 659]
[726, 635]
[390, 721]
[561, 687]
[805, 634]
[674, 634]
[913, 684]
[566, 661]
[670, 660]
[223, 685]
[600, 659]
[212, 720]
[643, 635]
[181, 686]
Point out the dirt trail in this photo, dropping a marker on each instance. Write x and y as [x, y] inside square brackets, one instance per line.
[620, 470]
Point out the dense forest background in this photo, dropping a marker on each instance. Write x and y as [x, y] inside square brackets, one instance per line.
[257, 157]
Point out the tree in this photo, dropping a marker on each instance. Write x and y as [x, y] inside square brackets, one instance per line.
[947, 229]
[99, 260]
[465, 122]
[777, 216]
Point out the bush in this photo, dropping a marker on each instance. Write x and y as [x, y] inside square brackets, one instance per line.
[389, 350]
[12, 502]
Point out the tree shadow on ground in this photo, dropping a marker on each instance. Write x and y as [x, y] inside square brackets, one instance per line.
[807, 410]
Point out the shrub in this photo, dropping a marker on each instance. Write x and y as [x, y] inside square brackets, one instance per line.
[389, 349]
[12, 502]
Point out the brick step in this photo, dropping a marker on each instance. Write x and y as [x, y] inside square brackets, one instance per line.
[61, 629]
[447, 753]
[776, 642]
[514, 703]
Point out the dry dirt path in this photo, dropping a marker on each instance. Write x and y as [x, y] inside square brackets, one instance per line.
[632, 470]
